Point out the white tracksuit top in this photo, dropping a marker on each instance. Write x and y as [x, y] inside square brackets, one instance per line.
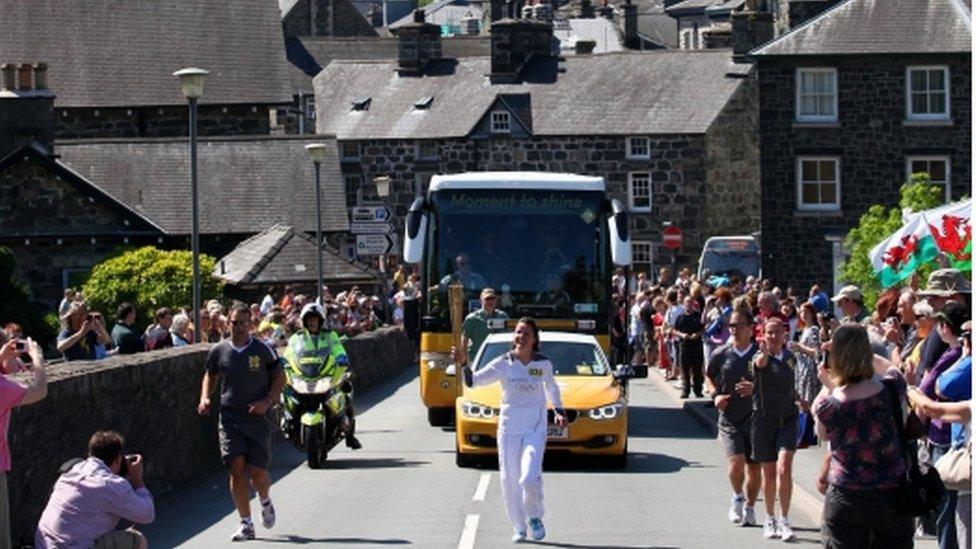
[524, 391]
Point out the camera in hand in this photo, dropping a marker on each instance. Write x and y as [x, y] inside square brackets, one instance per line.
[21, 346]
[90, 317]
[124, 466]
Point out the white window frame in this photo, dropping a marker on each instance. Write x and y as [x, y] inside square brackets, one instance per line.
[647, 147]
[500, 126]
[310, 106]
[800, 117]
[803, 207]
[420, 155]
[947, 184]
[635, 255]
[631, 195]
[353, 182]
[342, 151]
[909, 114]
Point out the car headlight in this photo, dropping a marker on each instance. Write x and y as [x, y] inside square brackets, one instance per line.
[609, 411]
[475, 410]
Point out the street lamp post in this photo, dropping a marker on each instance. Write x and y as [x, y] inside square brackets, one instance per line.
[317, 152]
[191, 83]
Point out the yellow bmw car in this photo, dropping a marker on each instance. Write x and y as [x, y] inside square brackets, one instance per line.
[594, 395]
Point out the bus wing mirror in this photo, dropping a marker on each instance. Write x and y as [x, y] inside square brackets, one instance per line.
[416, 232]
[619, 235]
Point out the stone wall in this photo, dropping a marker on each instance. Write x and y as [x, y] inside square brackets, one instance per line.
[72, 123]
[872, 140]
[678, 166]
[151, 399]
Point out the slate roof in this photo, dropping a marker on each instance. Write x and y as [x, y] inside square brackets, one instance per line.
[626, 93]
[880, 27]
[701, 7]
[600, 30]
[658, 27]
[281, 254]
[244, 183]
[308, 55]
[444, 12]
[109, 53]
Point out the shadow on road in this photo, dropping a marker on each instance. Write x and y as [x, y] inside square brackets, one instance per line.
[302, 540]
[638, 462]
[645, 422]
[591, 546]
[372, 463]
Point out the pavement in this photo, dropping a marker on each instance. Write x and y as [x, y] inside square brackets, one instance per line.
[403, 489]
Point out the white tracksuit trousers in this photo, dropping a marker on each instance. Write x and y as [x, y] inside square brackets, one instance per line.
[520, 473]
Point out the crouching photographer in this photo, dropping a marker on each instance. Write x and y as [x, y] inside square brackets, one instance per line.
[92, 496]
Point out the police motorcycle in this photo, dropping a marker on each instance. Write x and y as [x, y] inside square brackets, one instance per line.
[316, 408]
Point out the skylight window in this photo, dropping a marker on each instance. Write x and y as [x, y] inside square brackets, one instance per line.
[361, 103]
[424, 103]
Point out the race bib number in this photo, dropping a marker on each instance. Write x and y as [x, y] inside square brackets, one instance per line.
[557, 432]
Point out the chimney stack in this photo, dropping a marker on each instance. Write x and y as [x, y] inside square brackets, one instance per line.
[751, 28]
[631, 39]
[376, 15]
[584, 47]
[26, 107]
[606, 10]
[418, 43]
[514, 42]
[586, 9]
[802, 11]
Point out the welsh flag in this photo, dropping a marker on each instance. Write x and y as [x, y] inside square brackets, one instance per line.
[921, 239]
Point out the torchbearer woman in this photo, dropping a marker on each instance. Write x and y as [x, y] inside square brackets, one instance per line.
[527, 381]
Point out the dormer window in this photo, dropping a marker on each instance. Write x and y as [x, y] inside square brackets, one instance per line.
[423, 103]
[501, 122]
[361, 103]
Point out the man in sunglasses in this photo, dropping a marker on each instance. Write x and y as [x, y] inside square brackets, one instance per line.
[728, 367]
[251, 380]
[475, 328]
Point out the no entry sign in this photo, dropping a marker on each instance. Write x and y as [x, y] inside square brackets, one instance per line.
[671, 238]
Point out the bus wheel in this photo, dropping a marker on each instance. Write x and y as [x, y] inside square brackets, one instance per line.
[439, 417]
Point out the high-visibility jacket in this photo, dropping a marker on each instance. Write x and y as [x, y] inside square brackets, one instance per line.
[317, 355]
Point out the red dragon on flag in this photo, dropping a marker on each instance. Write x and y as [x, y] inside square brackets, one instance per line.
[898, 255]
[954, 237]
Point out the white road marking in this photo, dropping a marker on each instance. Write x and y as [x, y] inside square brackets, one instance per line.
[479, 494]
[470, 529]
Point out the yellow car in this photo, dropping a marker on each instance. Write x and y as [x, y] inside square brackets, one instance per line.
[594, 395]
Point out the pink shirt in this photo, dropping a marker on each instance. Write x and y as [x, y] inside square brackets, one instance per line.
[11, 394]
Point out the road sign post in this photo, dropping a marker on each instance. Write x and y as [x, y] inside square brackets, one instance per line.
[671, 238]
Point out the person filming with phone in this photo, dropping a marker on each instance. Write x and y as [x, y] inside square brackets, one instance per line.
[81, 334]
[91, 498]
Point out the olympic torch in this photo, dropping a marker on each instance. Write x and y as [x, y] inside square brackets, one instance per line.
[455, 297]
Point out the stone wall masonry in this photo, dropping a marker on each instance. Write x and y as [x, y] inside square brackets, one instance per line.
[151, 399]
[872, 141]
[84, 123]
[677, 166]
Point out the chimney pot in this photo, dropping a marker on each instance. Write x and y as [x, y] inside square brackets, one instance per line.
[9, 76]
[40, 76]
[418, 16]
[24, 76]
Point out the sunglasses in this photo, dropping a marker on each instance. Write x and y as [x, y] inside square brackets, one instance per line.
[240, 322]
[490, 298]
[739, 324]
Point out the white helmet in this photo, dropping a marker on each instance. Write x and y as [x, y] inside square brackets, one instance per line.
[310, 309]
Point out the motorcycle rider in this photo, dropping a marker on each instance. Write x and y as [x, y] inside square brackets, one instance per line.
[318, 343]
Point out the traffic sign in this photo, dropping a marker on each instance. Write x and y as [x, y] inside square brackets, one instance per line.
[374, 244]
[370, 214]
[671, 238]
[361, 227]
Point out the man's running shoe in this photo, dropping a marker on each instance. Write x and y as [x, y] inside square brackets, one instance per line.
[786, 532]
[353, 442]
[519, 536]
[267, 514]
[245, 532]
[735, 510]
[538, 530]
[748, 516]
[769, 528]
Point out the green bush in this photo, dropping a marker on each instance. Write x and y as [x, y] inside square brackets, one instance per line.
[15, 303]
[148, 278]
[879, 223]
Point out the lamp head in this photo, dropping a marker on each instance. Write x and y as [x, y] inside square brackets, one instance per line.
[317, 151]
[191, 81]
[382, 185]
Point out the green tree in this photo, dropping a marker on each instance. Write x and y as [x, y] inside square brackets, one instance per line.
[148, 278]
[15, 303]
[879, 223]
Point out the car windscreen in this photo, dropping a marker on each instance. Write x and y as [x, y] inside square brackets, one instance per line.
[568, 358]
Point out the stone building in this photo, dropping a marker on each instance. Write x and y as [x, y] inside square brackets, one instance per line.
[673, 133]
[852, 102]
[707, 24]
[324, 18]
[111, 63]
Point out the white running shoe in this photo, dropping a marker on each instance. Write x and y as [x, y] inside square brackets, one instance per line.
[519, 536]
[735, 510]
[268, 515]
[245, 531]
[748, 516]
[538, 530]
[786, 532]
[769, 528]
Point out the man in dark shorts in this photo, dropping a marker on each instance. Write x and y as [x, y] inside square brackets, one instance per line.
[774, 424]
[728, 367]
[251, 379]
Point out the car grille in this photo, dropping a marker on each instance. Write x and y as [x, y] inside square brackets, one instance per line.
[570, 415]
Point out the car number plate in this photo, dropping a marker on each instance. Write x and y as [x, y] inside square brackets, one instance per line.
[555, 431]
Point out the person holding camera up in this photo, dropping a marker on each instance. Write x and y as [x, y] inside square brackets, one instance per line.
[81, 334]
[93, 495]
